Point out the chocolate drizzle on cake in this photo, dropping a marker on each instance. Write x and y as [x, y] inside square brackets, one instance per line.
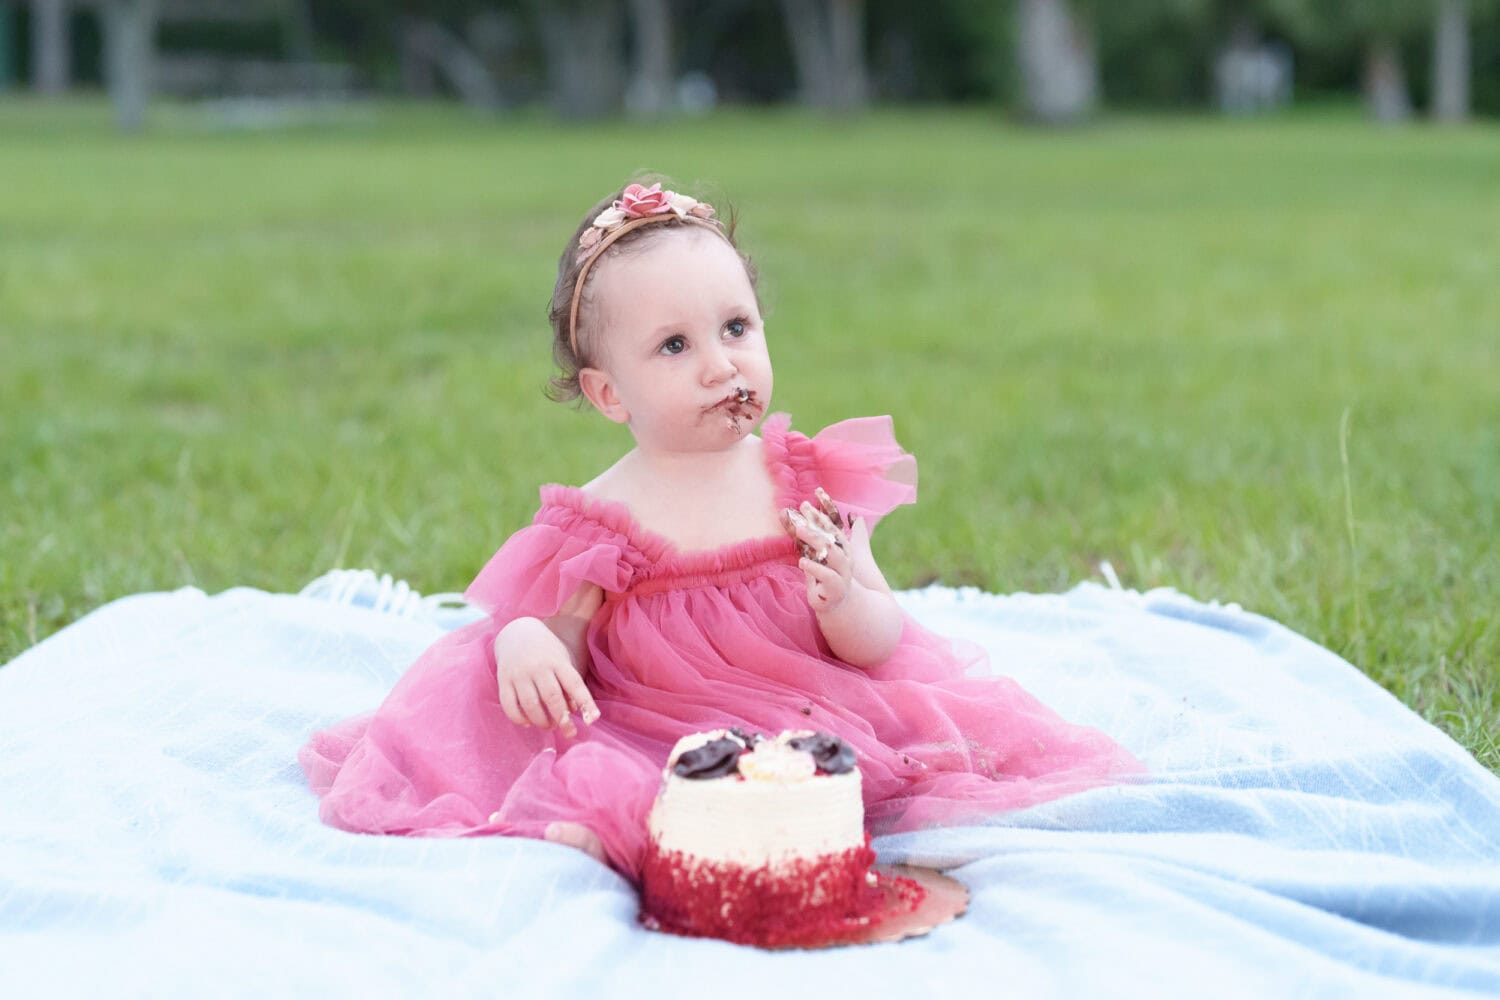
[749, 740]
[720, 757]
[714, 759]
[831, 754]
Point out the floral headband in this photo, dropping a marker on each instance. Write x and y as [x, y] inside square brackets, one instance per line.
[636, 207]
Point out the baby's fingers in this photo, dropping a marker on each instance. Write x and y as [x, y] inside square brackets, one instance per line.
[859, 532]
[820, 521]
[826, 504]
[823, 579]
[531, 704]
[511, 705]
[791, 523]
[556, 704]
[798, 529]
[578, 693]
[812, 540]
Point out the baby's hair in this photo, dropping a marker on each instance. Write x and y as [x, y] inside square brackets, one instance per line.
[564, 386]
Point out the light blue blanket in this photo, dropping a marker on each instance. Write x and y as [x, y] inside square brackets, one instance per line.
[1304, 834]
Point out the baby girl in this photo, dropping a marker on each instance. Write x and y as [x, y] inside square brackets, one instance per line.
[709, 578]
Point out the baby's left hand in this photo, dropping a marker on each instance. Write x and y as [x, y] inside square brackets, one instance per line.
[826, 559]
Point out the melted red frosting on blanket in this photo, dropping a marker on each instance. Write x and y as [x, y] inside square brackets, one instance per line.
[822, 900]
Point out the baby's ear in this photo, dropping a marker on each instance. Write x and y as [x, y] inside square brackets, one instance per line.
[600, 390]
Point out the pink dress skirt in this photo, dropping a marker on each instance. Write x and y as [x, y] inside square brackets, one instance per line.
[691, 641]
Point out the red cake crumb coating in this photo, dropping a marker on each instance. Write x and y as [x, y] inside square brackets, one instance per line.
[809, 901]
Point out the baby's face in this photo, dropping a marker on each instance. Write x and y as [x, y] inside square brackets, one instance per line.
[684, 351]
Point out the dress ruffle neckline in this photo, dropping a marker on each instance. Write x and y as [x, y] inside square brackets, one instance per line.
[660, 552]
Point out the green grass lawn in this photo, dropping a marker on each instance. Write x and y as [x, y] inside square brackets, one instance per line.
[1258, 362]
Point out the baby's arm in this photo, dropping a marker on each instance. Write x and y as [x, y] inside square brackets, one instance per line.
[856, 611]
[540, 665]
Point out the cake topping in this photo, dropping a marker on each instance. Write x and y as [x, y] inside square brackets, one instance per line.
[832, 755]
[795, 755]
[714, 759]
[777, 762]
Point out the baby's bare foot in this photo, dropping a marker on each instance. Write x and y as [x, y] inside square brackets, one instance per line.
[579, 836]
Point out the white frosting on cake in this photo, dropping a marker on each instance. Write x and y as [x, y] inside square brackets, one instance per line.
[784, 812]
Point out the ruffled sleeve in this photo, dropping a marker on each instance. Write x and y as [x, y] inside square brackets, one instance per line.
[858, 462]
[542, 565]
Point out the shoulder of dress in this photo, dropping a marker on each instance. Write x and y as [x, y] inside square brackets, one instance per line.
[597, 518]
[858, 462]
[865, 430]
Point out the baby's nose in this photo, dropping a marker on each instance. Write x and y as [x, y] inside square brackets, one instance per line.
[718, 365]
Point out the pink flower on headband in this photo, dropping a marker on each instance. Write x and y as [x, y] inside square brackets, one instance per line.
[638, 201]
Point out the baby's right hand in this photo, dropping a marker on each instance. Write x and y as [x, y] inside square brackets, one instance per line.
[538, 685]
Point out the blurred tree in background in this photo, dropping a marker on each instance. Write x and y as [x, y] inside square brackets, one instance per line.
[1050, 61]
[1377, 29]
[1058, 58]
[1450, 61]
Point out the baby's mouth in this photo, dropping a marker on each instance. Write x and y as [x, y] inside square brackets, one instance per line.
[739, 405]
[739, 397]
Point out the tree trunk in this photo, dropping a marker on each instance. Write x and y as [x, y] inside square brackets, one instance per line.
[418, 75]
[846, 45]
[129, 51]
[828, 48]
[1386, 94]
[585, 61]
[1059, 63]
[1450, 61]
[301, 34]
[7, 24]
[650, 91]
[428, 43]
[50, 46]
[804, 26]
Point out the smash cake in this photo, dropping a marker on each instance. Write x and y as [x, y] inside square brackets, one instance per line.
[762, 841]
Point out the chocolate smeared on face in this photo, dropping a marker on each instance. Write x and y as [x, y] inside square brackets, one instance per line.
[714, 759]
[831, 754]
[742, 405]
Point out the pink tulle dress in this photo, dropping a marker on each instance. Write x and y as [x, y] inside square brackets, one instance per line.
[691, 641]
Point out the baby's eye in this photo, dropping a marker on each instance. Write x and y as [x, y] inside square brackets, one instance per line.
[673, 345]
[735, 327]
